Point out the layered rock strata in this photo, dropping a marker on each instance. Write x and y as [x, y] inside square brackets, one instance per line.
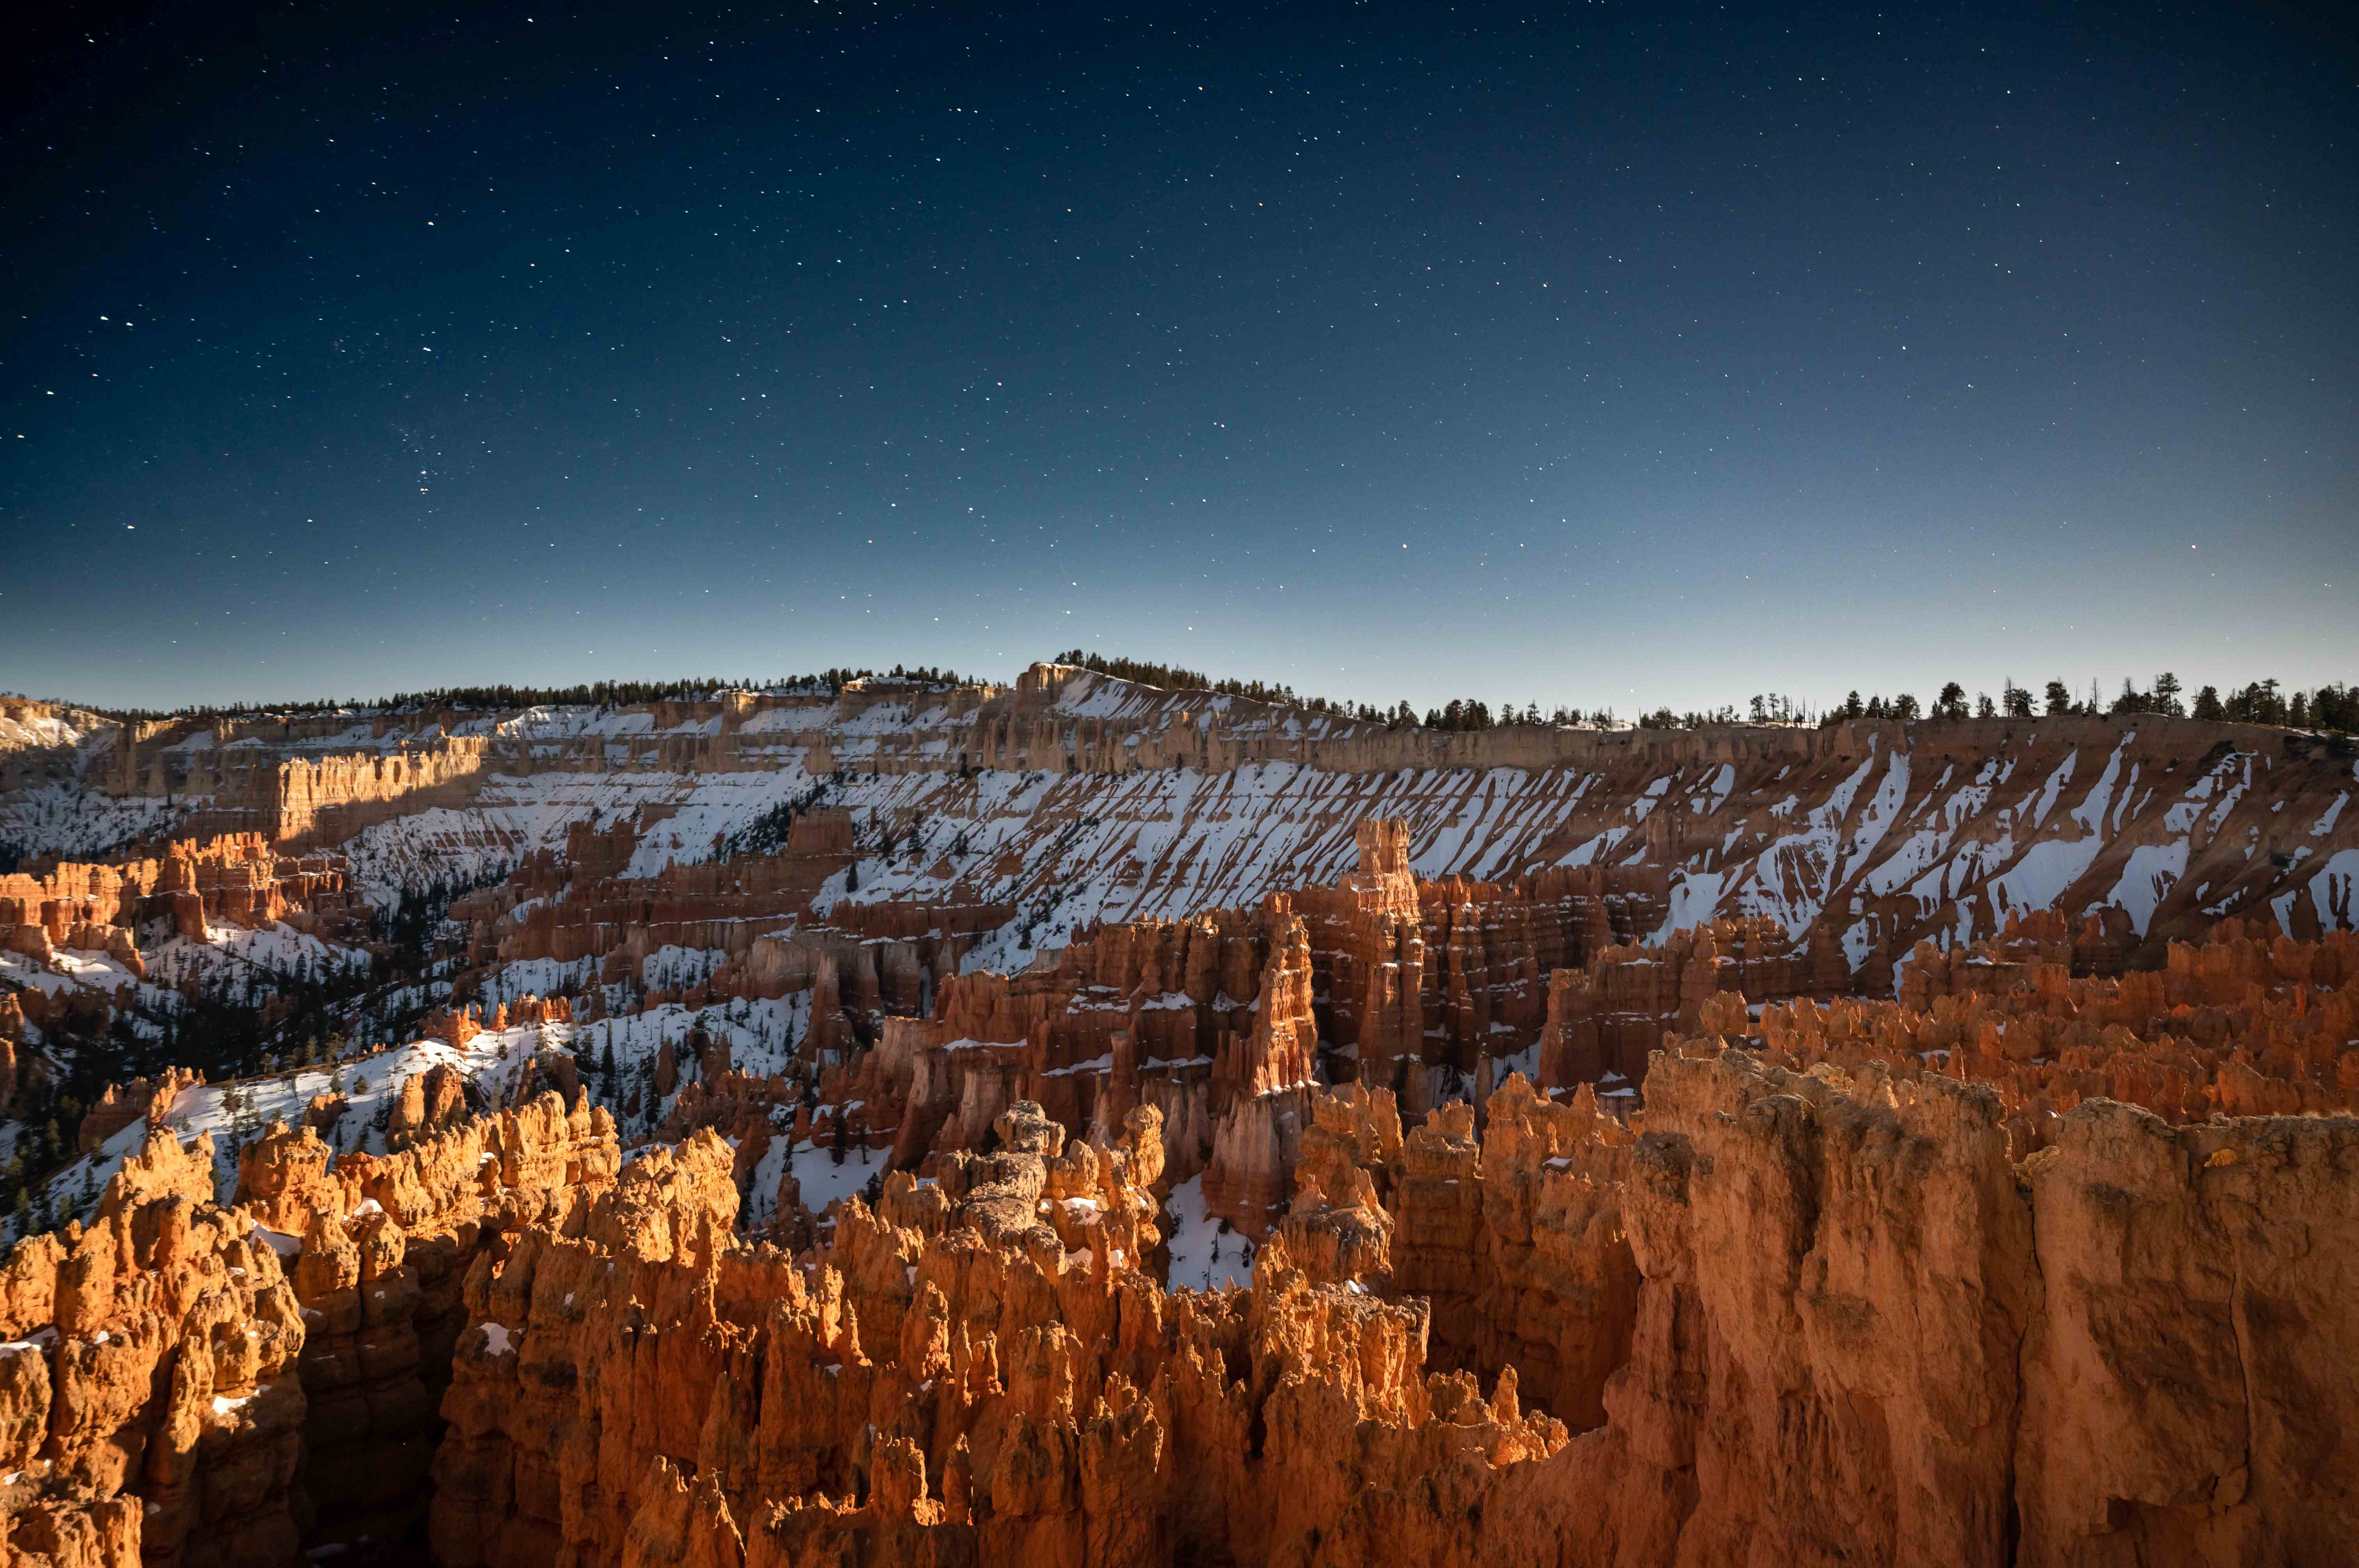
[1859, 839]
[233, 880]
[1828, 1316]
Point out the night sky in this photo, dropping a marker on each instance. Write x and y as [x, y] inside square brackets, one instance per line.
[1626, 354]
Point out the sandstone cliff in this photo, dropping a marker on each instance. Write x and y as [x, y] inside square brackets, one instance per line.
[1858, 841]
[1901, 1144]
[1826, 1316]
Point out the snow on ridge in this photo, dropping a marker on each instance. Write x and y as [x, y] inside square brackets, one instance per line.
[760, 1036]
[2333, 813]
[70, 822]
[2148, 878]
[2091, 814]
[1068, 849]
[1882, 809]
[2040, 878]
[1791, 879]
[2053, 788]
[2331, 888]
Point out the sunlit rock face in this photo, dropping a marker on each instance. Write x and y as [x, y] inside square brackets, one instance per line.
[1081, 1122]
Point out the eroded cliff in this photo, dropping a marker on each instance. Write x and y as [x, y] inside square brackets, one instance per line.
[1901, 1144]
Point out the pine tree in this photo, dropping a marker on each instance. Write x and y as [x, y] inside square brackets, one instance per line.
[2059, 699]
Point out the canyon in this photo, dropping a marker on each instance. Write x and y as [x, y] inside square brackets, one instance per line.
[1084, 1122]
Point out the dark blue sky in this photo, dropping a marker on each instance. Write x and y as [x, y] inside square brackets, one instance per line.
[1621, 353]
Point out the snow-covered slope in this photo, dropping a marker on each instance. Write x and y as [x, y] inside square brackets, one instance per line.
[1914, 834]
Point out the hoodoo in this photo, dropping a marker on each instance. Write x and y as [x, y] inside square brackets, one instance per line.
[1070, 1122]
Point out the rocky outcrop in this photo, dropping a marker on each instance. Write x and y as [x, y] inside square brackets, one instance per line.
[1863, 1333]
[1826, 1315]
[579, 905]
[1858, 839]
[227, 880]
[380, 1248]
[328, 799]
[41, 743]
[2242, 1025]
[2186, 1390]
[954, 1381]
[1204, 1019]
[1813, 1315]
[140, 1100]
[1834, 1287]
[1524, 1252]
[105, 907]
[12, 1036]
[152, 1409]
[303, 780]
[1925, 1163]
[1604, 1019]
[1219, 1022]
[429, 1100]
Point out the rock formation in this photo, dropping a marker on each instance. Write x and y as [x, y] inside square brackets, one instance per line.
[1890, 1143]
[2241, 1026]
[1832, 1315]
[153, 1413]
[105, 908]
[1858, 839]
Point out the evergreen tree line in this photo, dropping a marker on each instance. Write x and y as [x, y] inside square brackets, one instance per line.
[1177, 678]
[593, 693]
[1459, 713]
[1474, 713]
[2331, 707]
[929, 675]
[1761, 708]
[619, 693]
